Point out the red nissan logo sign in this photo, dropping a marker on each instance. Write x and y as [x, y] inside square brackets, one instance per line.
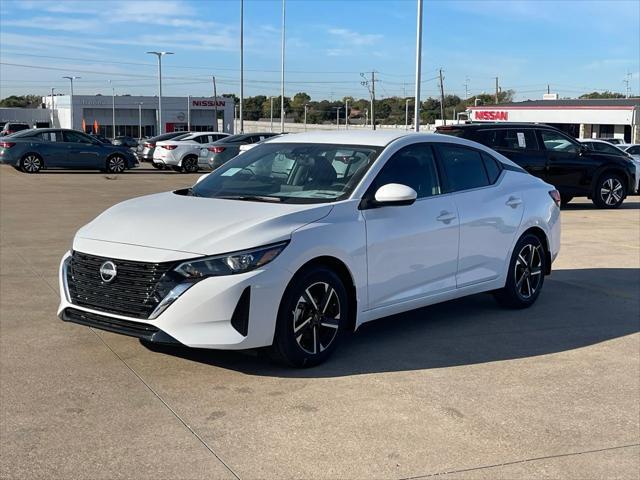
[491, 115]
[206, 103]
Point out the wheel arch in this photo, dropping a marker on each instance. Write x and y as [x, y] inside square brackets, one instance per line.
[341, 269]
[542, 236]
[611, 169]
[187, 155]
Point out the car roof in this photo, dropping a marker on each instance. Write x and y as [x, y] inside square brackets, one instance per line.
[378, 138]
[496, 124]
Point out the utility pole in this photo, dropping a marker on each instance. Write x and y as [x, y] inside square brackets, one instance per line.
[627, 83]
[497, 89]
[406, 114]
[366, 117]
[215, 103]
[306, 105]
[418, 66]
[113, 109]
[159, 55]
[466, 88]
[346, 114]
[548, 88]
[189, 113]
[444, 120]
[282, 73]
[140, 120]
[241, 66]
[338, 117]
[271, 123]
[371, 86]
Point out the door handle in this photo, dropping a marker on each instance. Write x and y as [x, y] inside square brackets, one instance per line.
[445, 217]
[513, 202]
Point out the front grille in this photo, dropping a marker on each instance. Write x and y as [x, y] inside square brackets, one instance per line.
[135, 291]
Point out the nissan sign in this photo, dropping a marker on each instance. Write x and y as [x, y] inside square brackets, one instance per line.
[492, 115]
[206, 103]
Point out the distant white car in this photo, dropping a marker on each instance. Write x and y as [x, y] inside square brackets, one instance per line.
[182, 154]
[602, 146]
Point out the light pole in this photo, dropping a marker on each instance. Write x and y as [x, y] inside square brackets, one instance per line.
[189, 113]
[406, 114]
[241, 65]
[306, 105]
[346, 114]
[215, 103]
[52, 108]
[160, 55]
[271, 121]
[418, 65]
[71, 79]
[282, 73]
[113, 109]
[140, 120]
[338, 117]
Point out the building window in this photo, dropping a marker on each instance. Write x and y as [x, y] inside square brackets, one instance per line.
[606, 131]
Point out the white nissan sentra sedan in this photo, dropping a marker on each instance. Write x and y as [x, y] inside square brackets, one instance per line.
[307, 236]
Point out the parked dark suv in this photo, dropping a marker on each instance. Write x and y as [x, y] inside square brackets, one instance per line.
[548, 153]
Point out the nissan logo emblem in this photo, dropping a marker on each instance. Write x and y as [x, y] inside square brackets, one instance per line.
[108, 271]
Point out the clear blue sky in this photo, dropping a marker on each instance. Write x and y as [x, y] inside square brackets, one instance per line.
[576, 46]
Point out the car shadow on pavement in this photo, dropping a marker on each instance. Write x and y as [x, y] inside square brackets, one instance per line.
[577, 308]
[630, 203]
[98, 172]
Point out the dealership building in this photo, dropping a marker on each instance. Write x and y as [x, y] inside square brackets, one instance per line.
[607, 118]
[131, 115]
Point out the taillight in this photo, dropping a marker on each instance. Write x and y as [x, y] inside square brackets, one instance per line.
[216, 149]
[169, 147]
[7, 144]
[149, 145]
[555, 194]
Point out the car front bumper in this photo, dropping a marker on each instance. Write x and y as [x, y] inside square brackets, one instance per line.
[209, 314]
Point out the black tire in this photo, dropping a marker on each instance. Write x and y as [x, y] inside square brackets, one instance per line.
[116, 164]
[610, 191]
[526, 274]
[190, 165]
[565, 199]
[304, 342]
[31, 163]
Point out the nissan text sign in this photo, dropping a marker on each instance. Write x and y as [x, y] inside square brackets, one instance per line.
[206, 103]
[491, 115]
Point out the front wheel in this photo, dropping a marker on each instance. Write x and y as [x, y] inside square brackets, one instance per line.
[526, 274]
[610, 191]
[31, 163]
[116, 164]
[312, 316]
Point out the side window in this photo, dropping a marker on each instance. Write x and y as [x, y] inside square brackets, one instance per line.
[556, 142]
[464, 167]
[606, 148]
[493, 167]
[513, 139]
[634, 150]
[47, 136]
[74, 137]
[414, 166]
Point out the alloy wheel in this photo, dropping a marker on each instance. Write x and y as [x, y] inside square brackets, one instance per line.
[611, 191]
[316, 318]
[528, 270]
[31, 164]
[116, 164]
[190, 165]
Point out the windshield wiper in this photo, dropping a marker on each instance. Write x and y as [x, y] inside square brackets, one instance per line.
[252, 198]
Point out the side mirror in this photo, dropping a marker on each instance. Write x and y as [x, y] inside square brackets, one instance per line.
[583, 149]
[201, 177]
[393, 194]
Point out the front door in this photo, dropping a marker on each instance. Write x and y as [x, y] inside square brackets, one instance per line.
[490, 212]
[567, 169]
[412, 251]
[82, 152]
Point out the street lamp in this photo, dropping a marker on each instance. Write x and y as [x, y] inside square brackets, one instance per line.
[346, 114]
[406, 114]
[160, 55]
[71, 79]
[271, 121]
[282, 74]
[418, 65]
[338, 117]
[241, 68]
[306, 106]
[52, 108]
[113, 109]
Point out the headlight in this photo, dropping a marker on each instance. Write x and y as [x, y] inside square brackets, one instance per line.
[231, 263]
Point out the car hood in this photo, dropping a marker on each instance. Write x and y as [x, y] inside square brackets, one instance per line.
[201, 226]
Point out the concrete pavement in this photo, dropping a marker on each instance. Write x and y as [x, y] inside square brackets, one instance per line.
[463, 389]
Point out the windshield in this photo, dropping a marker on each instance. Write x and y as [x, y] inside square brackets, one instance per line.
[290, 173]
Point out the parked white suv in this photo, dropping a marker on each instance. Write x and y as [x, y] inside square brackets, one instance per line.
[306, 236]
[182, 154]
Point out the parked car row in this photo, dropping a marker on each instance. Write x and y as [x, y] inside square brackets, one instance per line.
[32, 150]
[576, 169]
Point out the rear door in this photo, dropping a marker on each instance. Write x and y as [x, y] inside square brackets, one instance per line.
[489, 210]
[81, 151]
[520, 145]
[52, 148]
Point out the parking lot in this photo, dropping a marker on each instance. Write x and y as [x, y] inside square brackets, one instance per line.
[464, 389]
